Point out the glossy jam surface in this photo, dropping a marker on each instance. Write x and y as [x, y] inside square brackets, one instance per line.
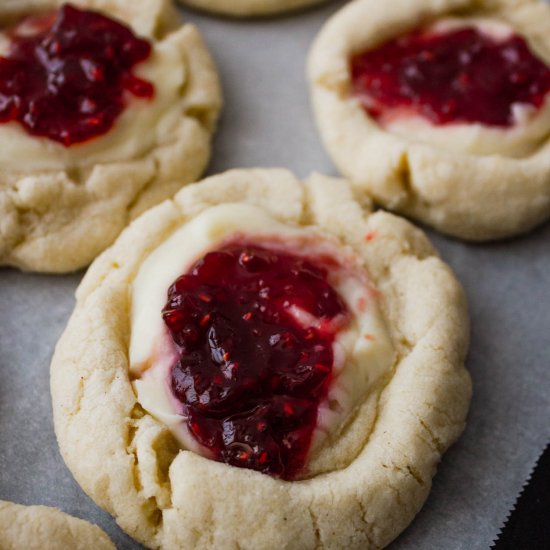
[66, 76]
[254, 329]
[459, 76]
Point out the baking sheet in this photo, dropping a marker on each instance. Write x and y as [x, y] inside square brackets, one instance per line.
[267, 122]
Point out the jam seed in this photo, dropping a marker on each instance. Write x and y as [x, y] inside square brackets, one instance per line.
[322, 368]
[370, 236]
[288, 409]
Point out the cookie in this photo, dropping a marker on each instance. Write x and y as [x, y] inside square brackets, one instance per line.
[247, 8]
[262, 362]
[440, 109]
[44, 528]
[115, 119]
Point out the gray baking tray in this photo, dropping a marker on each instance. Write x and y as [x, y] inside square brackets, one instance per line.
[267, 122]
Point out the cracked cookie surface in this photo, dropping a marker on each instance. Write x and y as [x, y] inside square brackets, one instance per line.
[469, 179]
[42, 527]
[61, 206]
[373, 475]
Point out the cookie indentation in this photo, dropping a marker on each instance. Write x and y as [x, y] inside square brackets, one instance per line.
[255, 331]
[67, 76]
[459, 76]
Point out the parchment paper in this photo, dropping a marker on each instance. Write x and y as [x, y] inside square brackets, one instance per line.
[267, 122]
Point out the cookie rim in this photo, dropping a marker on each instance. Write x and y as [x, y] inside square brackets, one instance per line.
[249, 8]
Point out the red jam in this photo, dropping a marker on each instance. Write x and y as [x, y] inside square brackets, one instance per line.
[66, 76]
[249, 375]
[460, 76]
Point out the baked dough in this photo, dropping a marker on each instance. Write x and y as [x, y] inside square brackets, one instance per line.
[467, 180]
[44, 528]
[60, 207]
[244, 8]
[166, 497]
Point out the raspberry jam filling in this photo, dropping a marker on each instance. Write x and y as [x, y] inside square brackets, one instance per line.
[254, 329]
[66, 75]
[461, 76]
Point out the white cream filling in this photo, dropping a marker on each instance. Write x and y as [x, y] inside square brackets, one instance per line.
[531, 125]
[363, 352]
[142, 124]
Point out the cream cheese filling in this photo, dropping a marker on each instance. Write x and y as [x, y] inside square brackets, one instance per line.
[531, 125]
[142, 124]
[363, 352]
